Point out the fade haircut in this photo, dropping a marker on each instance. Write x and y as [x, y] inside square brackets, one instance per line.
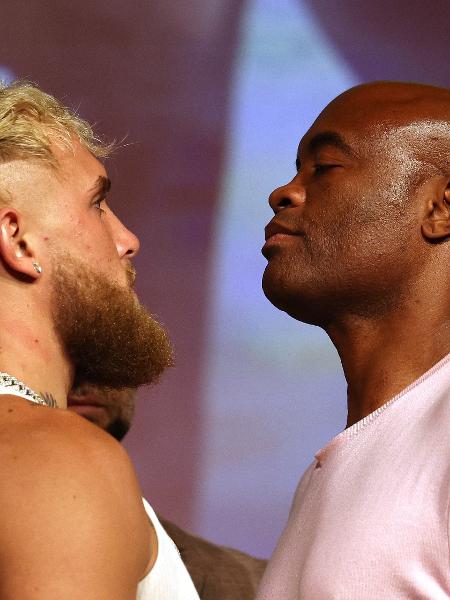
[31, 121]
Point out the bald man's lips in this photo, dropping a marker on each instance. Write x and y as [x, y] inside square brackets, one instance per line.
[276, 234]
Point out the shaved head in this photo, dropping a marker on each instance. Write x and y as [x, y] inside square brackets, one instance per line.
[369, 207]
[399, 101]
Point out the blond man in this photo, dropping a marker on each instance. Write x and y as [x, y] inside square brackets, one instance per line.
[72, 521]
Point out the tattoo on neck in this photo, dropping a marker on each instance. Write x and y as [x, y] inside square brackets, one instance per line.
[48, 399]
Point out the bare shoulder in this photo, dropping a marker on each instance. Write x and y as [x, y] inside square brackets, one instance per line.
[45, 439]
[69, 500]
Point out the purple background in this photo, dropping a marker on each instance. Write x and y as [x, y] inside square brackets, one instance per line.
[212, 96]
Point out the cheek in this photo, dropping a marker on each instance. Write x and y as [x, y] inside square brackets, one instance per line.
[350, 230]
[90, 237]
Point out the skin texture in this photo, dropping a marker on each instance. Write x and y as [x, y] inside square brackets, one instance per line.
[359, 244]
[72, 520]
[68, 485]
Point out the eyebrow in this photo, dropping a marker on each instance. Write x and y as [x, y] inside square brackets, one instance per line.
[328, 138]
[102, 185]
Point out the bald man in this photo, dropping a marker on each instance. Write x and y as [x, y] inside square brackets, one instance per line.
[360, 246]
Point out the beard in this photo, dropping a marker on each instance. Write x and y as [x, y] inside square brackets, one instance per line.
[109, 337]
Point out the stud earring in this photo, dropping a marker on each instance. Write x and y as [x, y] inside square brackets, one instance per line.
[37, 267]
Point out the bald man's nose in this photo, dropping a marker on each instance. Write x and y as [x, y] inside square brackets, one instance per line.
[287, 196]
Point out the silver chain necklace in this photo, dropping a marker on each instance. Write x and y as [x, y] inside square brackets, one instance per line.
[8, 381]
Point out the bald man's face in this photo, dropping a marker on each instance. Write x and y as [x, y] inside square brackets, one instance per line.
[346, 235]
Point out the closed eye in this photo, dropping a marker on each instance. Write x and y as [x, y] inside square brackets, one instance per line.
[320, 168]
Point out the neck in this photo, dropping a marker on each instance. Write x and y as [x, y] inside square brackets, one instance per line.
[381, 357]
[32, 354]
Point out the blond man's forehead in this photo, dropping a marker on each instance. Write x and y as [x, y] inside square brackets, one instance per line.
[76, 161]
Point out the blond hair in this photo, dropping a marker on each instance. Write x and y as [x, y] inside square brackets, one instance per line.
[31, 121]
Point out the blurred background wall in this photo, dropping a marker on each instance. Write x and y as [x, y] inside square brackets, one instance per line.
[212, 97]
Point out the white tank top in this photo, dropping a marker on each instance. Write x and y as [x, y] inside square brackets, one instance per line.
[168, 579]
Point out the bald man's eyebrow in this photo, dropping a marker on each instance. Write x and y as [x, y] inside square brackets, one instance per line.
[322, 140]
[329, 138]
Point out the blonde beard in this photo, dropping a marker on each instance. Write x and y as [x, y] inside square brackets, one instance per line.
[111, 339]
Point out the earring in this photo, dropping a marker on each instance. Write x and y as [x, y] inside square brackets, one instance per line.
[37, 267]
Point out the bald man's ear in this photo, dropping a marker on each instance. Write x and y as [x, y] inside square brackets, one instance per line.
[15, 250]
[436, 225]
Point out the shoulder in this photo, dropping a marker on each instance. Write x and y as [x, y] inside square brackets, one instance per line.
[67, 488]
[43, 440]
[425, 412]
[217, 570]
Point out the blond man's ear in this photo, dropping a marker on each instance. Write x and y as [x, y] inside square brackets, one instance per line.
[16, 252]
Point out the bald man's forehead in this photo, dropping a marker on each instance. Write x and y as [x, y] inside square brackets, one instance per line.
[370, 126]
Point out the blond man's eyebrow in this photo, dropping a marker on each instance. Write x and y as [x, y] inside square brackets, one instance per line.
[102, 185]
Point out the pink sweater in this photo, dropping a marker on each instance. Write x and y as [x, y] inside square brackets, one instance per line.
[370, 518]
